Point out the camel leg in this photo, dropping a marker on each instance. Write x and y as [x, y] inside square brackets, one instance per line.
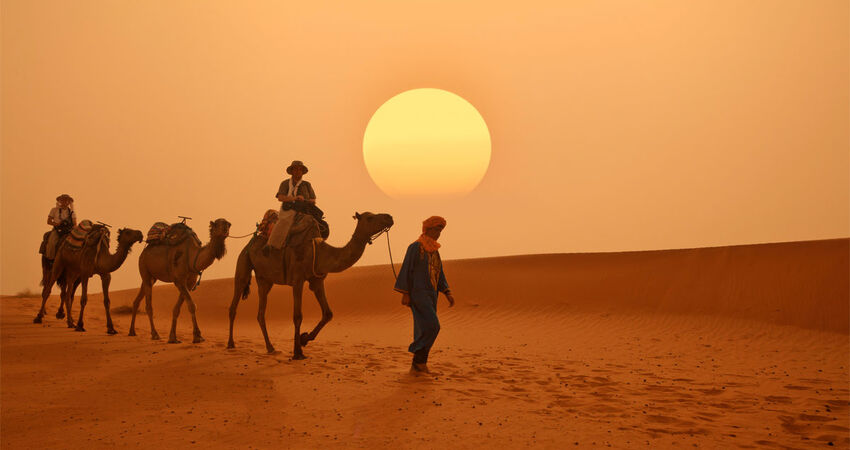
[136, 302]
[237, 295]
[60, 314]
[104, 280]
[190, 304]
[45, 292]
[241, 285]
[172, 337]
[84, 298]
[263, 288]
[297, 290]
[148, 288]
[71, 290]
[49, 278]
[318, 288]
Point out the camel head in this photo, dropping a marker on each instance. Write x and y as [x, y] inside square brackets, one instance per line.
[369, 224]
[219, 228]
[129, 236]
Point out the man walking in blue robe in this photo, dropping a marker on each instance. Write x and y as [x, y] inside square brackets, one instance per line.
[420, 281]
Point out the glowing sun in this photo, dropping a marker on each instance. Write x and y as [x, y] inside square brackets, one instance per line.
[426, 142]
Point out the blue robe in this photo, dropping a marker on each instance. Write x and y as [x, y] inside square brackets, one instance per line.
[414, 278]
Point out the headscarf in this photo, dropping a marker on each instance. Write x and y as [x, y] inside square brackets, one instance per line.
[433, 221]
[430, 246]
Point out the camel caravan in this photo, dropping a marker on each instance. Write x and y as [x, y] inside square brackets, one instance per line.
[287, 248]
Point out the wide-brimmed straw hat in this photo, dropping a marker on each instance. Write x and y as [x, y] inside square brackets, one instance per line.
[65, 197]
[294, 164]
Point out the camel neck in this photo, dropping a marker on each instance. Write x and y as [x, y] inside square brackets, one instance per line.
[209, 253]
[334, 259]
[114, 260]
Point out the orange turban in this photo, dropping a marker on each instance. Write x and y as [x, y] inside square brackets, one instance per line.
[433, 221]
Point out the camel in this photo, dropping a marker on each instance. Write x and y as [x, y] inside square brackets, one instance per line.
[181, 264]
[310, 264]
[76, 266]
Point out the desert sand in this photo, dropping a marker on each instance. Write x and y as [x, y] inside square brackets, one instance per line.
[730, 347]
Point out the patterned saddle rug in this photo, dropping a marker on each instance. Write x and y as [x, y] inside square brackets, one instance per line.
[157, 233]
[77, 237]
[266, 225]
[174, 234]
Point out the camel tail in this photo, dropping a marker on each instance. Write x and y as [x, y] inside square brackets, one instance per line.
[242, 278]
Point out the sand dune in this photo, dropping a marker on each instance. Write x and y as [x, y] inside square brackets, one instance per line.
[742, 346]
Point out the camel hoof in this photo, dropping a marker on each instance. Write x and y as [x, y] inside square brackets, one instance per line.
[111, 331]
[131, 333]
[173, 341]
[198, 340]
[155, 337]
[270, 350]
[298, 357]
[305, 338]
[71, 325]
[230, 345]
[60, 315]
[81, 329]
[37, 319]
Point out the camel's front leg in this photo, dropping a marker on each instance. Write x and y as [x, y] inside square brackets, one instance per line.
[263, 288]
[297, 290]
[148, 287]
[136, 302]
[84, 298]
[104, 281]
[318, 288]
[172, 337]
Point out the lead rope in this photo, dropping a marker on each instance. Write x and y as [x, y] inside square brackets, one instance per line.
[390, 250]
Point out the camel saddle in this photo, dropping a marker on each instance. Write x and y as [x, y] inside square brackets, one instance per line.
[310, 209]
[265, 226]
[177, 233]
[156, 234]
[304, 227]
[77, 237]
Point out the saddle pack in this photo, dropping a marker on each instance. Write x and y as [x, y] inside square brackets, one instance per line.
[266, 225]
[77, 237]
[304, 227]
[309, 209]
[174, 234]
[156, 233]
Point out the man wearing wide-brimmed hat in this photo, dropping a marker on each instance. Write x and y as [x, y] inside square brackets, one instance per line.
[61, 217]
[292, 189]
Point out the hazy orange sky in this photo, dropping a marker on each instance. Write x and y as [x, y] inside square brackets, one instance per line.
[615, 125]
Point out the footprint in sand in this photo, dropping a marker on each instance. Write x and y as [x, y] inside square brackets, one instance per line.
[797, 388]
